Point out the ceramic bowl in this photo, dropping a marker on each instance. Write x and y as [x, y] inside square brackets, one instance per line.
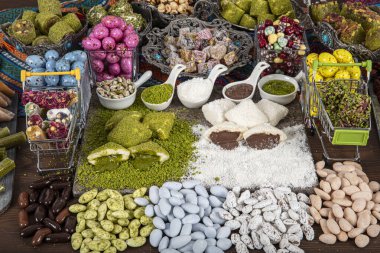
[280, 99]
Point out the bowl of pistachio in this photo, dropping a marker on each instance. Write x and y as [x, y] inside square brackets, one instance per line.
[119, 93]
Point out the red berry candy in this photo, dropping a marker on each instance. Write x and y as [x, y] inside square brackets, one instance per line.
[268, 22]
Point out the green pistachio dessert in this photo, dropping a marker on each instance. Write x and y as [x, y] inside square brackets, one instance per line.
[45, 20]
[29, 15]
[321, 10]
[129, 133]
[147, 153]
[106, 150]
[119, 115]
[161, 123]
[372, 39]
[248, 21]
[41, 40]
[245, 5]
[53, 6]
[59, 31]
[279, 7]
[259, 7]
[24, 31]
[232, 13]
[73, 21]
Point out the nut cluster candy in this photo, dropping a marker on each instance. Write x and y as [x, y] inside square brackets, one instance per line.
[173, 6]
[281, 44]
[346, 204]
[116, 88]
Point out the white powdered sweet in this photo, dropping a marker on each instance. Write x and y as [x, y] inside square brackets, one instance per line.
[246, 114]
[275, 112]
[215, 110]
[195, 90]
[288, 164]
[225, 126]
[265, 129]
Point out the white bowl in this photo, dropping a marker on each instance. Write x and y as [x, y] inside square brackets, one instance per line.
[280, 99]
[117, 104]
[237, 100]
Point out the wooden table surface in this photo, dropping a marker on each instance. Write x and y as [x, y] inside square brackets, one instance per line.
[10, 240]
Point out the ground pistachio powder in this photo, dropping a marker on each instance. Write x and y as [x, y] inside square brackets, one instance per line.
[157, 94]
[179, 145]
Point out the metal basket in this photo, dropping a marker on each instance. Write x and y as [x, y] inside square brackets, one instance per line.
[317, 117]
[61, 152]
[153, 50]
[69, 43]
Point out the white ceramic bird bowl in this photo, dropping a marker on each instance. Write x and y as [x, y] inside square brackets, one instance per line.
[280, 99]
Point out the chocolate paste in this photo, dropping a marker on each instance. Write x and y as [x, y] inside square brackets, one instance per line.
[225, 139]
[263, 141]
[239, 91]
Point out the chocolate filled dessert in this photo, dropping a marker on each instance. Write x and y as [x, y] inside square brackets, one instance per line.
[239, 91]
[263, 141]
[225, 139]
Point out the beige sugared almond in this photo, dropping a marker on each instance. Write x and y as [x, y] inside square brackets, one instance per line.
[367, 196]
[350, 216]
[349, 190]
[316, 201]
[320, 165]
[364, 219]
[345, 225]
[324, 195]
[327, 238]
[357, 165]
[373, 230]
[374, 186]
[361, 241]
[338, 194]
[324, 212]
[333, 226]
[345, 183]
[355, 232]
[342, 236]
[359, 205]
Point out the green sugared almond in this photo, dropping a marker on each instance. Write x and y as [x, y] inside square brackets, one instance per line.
[232, 13]
[107, 150]
[29, 15]
[73, 21]
[248, 21]
[161, 123]
[45, 20]
[119, 115]
[59, 31]
[53, 6]
[150, 148]
[129, 133]
[24, 31]
[41, 40]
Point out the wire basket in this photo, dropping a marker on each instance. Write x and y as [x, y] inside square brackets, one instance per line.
[59, 154]
[69, 43]
[317, 116]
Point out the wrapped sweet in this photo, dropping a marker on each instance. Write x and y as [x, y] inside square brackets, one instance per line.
[129, 133]
[34, 120]
[191, 66]
[63, 118]
[29, 15]
[232, 13]
[45, 20]
[321, 10]
[248, 21]
[108, 150]
[275, 112]
[246, 114]
[35, 133]
[226, 135]
[186, 55]
[372, 41]
[95, 14]
[218, 51]
[57, 131]
[161, 123]
[214, 111]
[264, 136]
[52, 6]
[59, 31]
[146, 154]
[259, 7]
[280, 7]
[230, 58]
[50, 99]
[73, 21]
[119, 115]
[32, 108]
[24, 31]
[52, 114]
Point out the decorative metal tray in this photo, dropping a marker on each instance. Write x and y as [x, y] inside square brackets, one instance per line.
[153, 50]
[68, 43]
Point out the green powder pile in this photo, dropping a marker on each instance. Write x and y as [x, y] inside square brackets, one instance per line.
[157, 94]
[179, 145]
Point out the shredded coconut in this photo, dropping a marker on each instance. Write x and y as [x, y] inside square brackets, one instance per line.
[195, 90]
[289, 164]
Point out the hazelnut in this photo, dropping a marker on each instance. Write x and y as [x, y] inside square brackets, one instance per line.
[173, 6]
[168, 9]
[161, 7]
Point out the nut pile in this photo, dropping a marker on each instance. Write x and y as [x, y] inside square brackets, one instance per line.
[188, 218]
[116, 88]
[173, 6]
[44, 213]
[110, 222]
[267, 217]
[346, 205]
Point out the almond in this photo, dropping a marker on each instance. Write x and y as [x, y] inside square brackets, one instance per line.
[322, 194]
[376, 214]
[330, 176]
[316, 201]
[342, 236]
[328, 171]
[337, 211]
[323, 223]
[364, 219]
[372, 206]
[327, 204]
[364, 178]
[338, 194]
[359, 205]
[335, 183]
[325, 186]
[373, 220]
[364, 187]
[343, 202]
[376, 197]
[320, 165]
[324, 212]
[349, 190]
[345, 225]
[327, 238]
[352, 177]
[316, 215]
[361, 241]
[333, 226]
[362, 195]
[374, 186]
[360, 173]
[355, 164]
[345, 183]
[350, 216]
[355, 232]
[373, 230]
[322, 173]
